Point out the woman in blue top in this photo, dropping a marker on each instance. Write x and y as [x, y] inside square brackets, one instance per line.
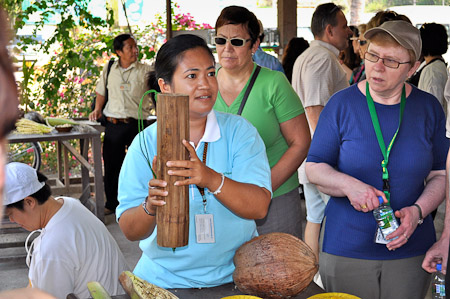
[378, 121]
[236, 173]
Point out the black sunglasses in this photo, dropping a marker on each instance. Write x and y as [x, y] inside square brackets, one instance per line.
[235, 42]
[362, 42]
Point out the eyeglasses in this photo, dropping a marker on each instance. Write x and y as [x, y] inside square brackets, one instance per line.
[362, 42]
[390, 63]
[235, 42]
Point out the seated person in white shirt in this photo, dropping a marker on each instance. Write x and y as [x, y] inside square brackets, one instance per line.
[73, 248]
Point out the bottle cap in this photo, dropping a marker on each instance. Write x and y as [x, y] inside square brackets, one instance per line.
[439, 267]
[380, 199]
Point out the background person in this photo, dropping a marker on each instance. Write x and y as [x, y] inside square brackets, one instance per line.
[126, 85]
[348, 57]
[317, 75]
[272, 107]
[295, 47]
[434, 74]
[360, 47]
[438, 253]
[345, 161]
[73, 248]
[232, 170]
[264, 59]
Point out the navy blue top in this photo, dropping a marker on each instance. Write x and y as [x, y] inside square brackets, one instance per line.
[346, 140]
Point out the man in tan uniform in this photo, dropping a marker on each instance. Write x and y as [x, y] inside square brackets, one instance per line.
[125, 87]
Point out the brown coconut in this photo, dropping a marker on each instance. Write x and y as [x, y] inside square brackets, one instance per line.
[275, 265]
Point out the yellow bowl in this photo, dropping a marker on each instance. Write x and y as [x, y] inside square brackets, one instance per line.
[241, 297]
[333, 296]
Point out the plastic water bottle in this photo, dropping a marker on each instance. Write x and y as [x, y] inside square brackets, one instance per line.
[438, 283]
[384, 215]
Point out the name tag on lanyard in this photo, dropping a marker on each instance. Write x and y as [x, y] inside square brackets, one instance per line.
[204, 228]
[125, 86]
[204, 223]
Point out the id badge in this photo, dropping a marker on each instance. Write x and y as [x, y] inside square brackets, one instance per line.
[379, 238]
[204, 228]
[125, 86]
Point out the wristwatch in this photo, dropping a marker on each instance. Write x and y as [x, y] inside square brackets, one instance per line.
[420, 214]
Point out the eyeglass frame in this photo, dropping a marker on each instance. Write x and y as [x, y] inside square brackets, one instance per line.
[362, 42]
[383, 60]
[244, 41]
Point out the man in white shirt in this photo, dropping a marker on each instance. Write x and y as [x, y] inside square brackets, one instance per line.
[316, 76]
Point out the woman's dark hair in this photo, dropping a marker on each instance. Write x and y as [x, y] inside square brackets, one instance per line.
[9, 102]
[41, 196]
[119, 40]
[170, 54]
[434, 39]
[354, 29]
[238, 15]
[323, 15]
[293, 49]
[348, 55]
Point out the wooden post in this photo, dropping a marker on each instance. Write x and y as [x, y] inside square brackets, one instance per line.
[287, 21]
[172, 219]
[169, 33]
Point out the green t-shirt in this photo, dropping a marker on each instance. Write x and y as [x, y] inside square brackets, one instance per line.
[271, 101]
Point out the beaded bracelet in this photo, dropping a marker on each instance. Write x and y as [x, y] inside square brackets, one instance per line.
[221, 185]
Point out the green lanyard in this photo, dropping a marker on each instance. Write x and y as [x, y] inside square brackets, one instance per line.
[377, 128]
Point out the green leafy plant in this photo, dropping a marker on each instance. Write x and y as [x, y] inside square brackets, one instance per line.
[62, 82]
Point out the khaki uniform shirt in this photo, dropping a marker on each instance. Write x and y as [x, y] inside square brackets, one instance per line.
[125, 90]
[316, 76]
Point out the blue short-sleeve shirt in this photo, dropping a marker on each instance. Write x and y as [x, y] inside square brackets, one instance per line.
[234, 149]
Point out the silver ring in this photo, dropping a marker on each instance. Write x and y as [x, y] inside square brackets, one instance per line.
[404, 235]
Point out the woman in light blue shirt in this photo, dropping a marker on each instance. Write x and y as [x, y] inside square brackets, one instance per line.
[235, 177]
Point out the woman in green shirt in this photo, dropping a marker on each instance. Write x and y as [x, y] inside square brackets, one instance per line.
[272, 107]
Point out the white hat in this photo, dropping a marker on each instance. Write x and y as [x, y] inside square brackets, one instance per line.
[21, 181]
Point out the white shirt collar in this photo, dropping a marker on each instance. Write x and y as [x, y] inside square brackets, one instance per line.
[212, 130]
[128, 68]
[329, 46]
